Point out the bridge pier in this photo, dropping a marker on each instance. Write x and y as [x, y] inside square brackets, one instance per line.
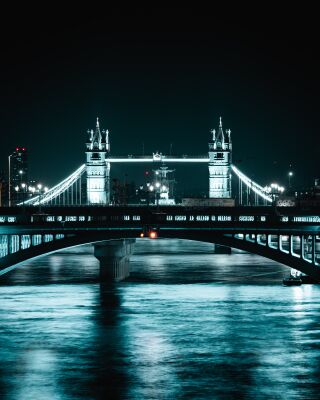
[220, 249]
[114, 257]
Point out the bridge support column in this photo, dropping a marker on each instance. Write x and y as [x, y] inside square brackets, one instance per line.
[114, 258]
[220, 249]
[314, 249]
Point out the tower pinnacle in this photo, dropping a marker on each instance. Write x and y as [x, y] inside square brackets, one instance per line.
[97, 166]
[220, 152]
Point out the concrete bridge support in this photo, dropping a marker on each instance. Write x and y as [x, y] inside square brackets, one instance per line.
[114, 257]
[219, 249]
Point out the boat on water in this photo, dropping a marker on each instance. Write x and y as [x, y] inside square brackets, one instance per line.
[291, 281]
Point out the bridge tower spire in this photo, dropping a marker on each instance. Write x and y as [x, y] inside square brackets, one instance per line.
[98, 169]
[220, 155]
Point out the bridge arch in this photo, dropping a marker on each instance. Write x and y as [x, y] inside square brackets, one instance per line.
[12, 261]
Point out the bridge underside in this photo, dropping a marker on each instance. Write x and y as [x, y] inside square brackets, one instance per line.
[299, 252]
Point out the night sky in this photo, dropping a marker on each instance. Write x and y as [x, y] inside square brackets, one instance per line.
[156, 84]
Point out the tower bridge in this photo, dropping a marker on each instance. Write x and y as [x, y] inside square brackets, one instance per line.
[65, 215]
[95, 173]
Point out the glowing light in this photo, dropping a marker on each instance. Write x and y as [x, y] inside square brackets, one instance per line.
[151, 188]
[157, 184]
[153, 235]
[141, 234]
[274, 187]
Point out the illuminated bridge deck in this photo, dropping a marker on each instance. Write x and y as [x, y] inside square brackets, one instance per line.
[253, 218]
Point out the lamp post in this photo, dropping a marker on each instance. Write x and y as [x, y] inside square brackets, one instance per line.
[275, 191]
[24, 189]
[151, 190]
[157, 192]
[42, 190]
[290, 174]
[39, 186]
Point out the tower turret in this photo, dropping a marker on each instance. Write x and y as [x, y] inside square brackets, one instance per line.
[98, 169]
[220, 154]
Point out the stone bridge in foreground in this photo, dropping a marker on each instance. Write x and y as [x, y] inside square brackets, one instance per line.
[287, 235]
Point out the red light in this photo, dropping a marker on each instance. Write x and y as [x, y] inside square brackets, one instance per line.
[153, 235]
[17, 148]
[23, 149]
[146, 173]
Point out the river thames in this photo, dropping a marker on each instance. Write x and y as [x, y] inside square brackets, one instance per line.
[187, 324]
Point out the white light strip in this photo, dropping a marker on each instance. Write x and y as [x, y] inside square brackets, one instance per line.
[251, 184]
[71, 179]
[160, 159]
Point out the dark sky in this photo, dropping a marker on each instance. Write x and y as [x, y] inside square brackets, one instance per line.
[161, 83]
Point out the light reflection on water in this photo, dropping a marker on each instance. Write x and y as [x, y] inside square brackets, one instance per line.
[186, 325]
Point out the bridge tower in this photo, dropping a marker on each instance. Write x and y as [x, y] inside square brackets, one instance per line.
[98, 170]
[220, 154]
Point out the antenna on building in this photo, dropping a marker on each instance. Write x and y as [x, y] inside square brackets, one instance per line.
[107, 140]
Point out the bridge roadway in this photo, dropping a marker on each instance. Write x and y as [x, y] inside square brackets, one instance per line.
[287, 235]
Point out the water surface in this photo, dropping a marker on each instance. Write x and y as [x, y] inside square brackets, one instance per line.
[188, 324]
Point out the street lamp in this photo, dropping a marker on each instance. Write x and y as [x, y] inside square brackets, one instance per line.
[290, 174]
[274, 190]
[23, 188]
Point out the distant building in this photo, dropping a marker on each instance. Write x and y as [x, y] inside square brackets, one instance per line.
[310, 198]
[18, 173]
[159, 190]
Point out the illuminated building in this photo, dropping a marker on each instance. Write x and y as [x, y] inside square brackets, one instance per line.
[18, 172]
[163, 186]
[220, 154]
[98, 170]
